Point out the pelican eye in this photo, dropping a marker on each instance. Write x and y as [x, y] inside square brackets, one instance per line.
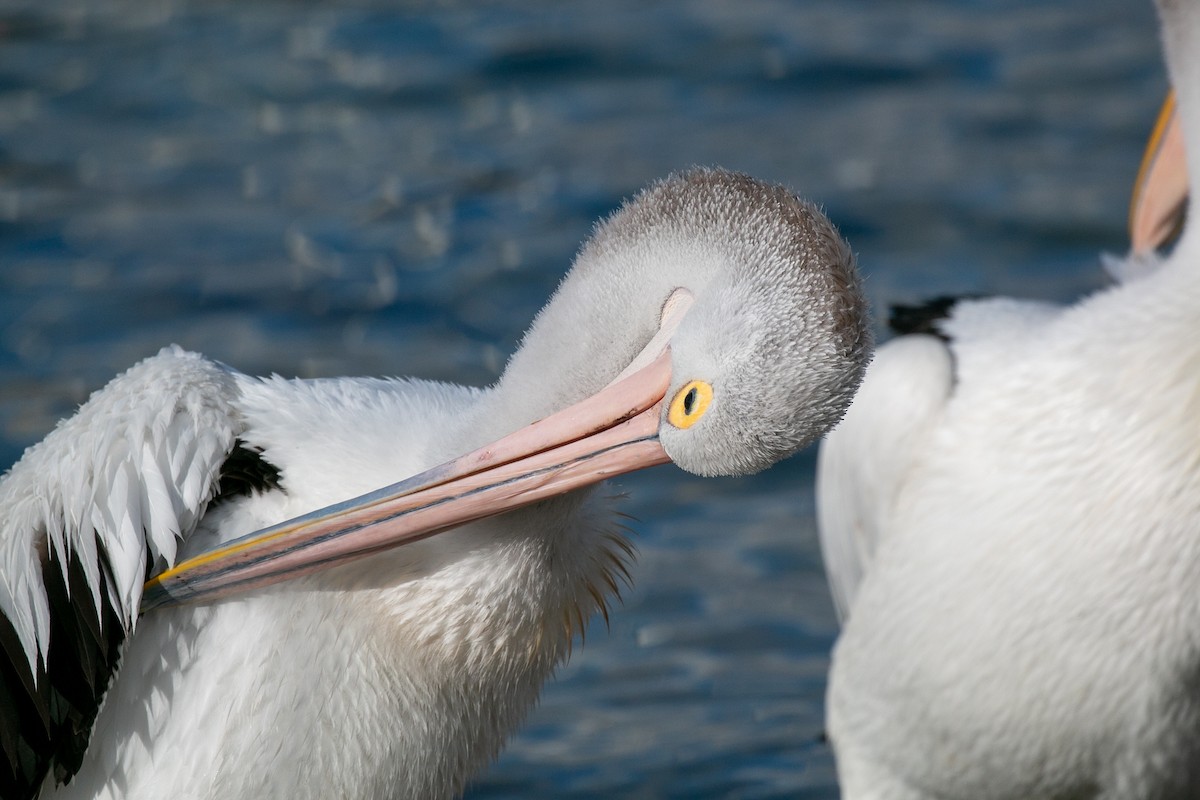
[689, 404]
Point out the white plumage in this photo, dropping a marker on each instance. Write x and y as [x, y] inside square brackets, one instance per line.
[1010, 519]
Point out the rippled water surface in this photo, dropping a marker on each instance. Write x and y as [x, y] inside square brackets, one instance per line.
[394, 188]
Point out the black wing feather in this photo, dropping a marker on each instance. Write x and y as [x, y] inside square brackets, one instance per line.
[46, 726]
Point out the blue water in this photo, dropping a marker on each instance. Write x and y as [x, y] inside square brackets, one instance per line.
[369, 187]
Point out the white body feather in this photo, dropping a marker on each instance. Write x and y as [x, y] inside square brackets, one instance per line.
[1027, 626]
[422, 656]
[1027, 623]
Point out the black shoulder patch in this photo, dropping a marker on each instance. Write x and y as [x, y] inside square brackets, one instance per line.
[45, 727]
[245, 472]
[924, 317]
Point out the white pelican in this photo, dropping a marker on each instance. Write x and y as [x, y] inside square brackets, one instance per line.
[395, 672]
[1010, 515]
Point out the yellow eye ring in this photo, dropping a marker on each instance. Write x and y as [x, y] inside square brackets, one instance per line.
[689, 404]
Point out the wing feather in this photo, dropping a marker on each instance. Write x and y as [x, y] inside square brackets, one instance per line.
[160, 507]
[110, 490]
[864, 460]
[94, 487]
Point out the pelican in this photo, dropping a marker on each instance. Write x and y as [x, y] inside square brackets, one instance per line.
[288, 646]
[1009, 514]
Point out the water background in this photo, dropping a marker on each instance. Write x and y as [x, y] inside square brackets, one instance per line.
[321, 188]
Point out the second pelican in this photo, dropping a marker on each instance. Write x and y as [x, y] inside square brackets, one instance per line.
[1010, 516]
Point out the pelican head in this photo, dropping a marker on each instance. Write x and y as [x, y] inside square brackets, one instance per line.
[714, 321]
[770, 353]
